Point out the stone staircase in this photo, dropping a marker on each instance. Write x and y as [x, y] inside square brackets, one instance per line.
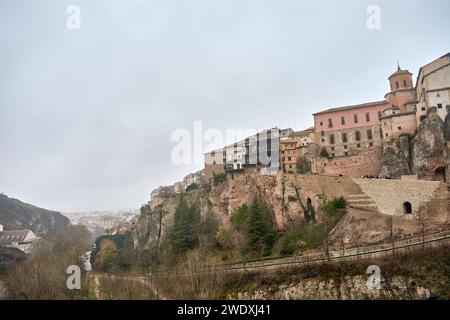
[361, 201]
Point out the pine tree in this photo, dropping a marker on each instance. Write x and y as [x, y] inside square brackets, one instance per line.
[261, 234]
[184, 234]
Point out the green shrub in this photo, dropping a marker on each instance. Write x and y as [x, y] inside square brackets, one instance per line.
[329, 208]
[239, 217]
[223, 239]
[303, 165]
[340, 202]
[192, 186]
[219, 178]
[336, 203]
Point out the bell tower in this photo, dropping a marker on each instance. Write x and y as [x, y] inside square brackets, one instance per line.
[400, 79]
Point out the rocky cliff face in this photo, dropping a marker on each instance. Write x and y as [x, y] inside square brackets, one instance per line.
[346, 288]
[395, 158]
[428, 146]
[15, 215]
[284, 194]
[424, 155]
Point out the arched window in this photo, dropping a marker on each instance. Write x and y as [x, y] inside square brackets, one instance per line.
[407, 207]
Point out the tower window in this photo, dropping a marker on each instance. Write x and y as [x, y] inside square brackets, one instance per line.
[321, 123]
[355, 118]
[330, 123]
[367, 116]
[342, 120]
[405, 83]
[397, 85]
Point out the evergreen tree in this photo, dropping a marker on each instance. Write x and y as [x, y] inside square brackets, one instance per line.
[261, 234]
[184, 234]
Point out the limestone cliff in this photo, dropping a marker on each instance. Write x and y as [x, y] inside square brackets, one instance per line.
[428, 147]
[424, 155]
[395, 158]
[283, 193]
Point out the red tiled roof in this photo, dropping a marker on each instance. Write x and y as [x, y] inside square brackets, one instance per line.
[357, 106]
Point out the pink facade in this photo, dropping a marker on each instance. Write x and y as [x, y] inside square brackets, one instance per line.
[349, 117]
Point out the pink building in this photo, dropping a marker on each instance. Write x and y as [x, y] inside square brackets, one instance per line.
[349, 130]
[349, 117]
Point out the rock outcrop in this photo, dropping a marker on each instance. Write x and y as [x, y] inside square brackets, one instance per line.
[346, 288]
[395, 158]
[284, 194]
[428, 147]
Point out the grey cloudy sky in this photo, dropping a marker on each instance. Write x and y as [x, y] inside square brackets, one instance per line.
[86, 116]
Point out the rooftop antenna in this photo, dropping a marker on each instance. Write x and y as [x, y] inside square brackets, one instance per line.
[398, 65]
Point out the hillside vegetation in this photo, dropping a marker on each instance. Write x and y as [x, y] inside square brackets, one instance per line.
[15, 215]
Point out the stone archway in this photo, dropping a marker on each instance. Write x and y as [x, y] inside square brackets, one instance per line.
[439, 174]
[407, 207]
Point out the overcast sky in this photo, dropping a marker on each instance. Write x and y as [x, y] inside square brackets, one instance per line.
[86, 116]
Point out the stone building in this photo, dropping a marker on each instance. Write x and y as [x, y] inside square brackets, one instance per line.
[260, 150]
[20, 239]
[289, 154]
[433, 87]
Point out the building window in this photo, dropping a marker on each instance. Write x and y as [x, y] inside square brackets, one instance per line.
[386, 134]
[332, 148]
[423, 108]
[323, 140]
[358, 145]
[289, 158]
[344, 137]
[379, 114]
[342, 120]
[367, 116]
[213, 153]
[321, 123]
[405, 83]
[330, 123]
[397, 85]
[439, 105]
[322, 133]
[346, 153]
[345, 146]
[399, 128]
[370, 144]
[355, 118]
[369, 134]
[331, 138]
[357, 136]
